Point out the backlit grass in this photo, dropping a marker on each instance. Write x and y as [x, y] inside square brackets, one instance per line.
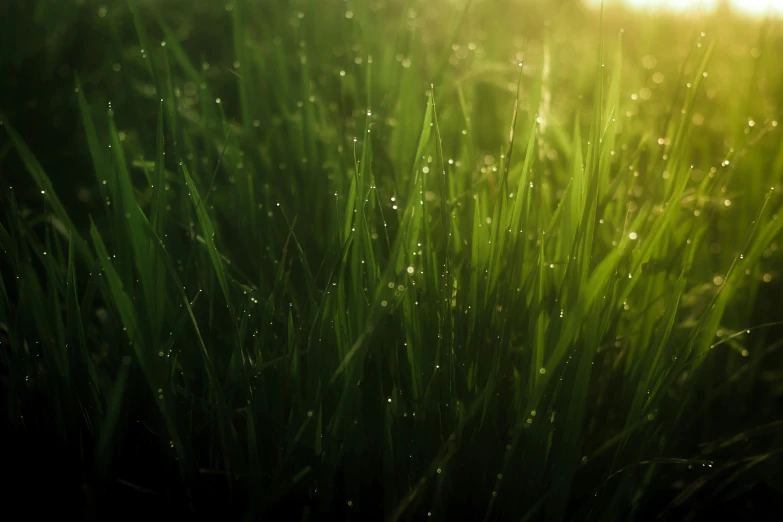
[462, 260]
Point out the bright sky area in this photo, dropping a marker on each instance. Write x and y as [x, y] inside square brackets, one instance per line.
[755, 7]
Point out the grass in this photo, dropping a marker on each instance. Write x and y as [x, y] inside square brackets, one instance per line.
[402, 260]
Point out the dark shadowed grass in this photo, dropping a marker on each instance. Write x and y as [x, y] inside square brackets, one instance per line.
[401, 260]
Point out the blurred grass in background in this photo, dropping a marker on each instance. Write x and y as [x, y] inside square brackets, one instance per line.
[461, 260]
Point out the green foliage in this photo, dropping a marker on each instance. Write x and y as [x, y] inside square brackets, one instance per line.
[346, 289]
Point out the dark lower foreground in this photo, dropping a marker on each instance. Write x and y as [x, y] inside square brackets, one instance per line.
[53, 463]
[45, 480]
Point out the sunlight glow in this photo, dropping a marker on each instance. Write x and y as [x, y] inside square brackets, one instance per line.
[759, 7]
[674, 5]
[752, 7]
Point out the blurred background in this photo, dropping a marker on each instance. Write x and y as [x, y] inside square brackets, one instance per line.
[45, 44]
[746, 7]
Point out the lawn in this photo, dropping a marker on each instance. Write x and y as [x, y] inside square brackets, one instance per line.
[390, 260]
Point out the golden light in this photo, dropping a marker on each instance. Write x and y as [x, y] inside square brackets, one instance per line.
[751, 7]
[759, 7]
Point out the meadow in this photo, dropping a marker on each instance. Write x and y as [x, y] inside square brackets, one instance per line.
[390, 260]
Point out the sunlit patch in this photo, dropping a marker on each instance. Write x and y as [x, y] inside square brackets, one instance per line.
[667, 5]
[759, 7]
[752, 7]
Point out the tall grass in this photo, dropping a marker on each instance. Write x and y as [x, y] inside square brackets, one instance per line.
[407, 260]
